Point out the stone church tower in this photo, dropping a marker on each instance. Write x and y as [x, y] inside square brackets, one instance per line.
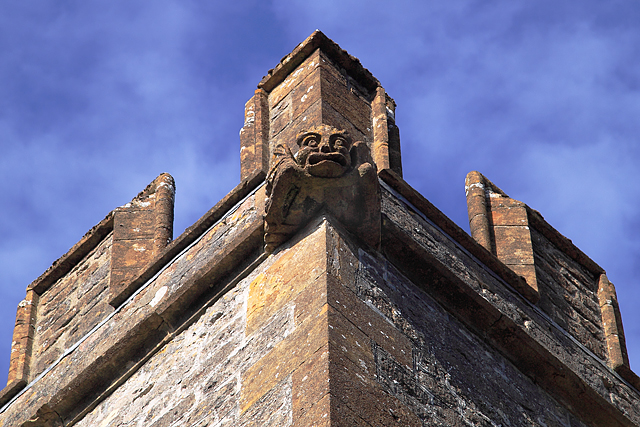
[322, 291]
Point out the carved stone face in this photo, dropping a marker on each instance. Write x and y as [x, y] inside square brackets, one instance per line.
[324, 152]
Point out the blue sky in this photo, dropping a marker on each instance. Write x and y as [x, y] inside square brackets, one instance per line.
[98, 98]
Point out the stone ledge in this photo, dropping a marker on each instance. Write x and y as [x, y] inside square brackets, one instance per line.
[456, 233]
[141, 229]
[12, 388]
[538, 222]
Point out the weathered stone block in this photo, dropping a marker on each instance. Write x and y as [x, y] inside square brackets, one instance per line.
[513, 244]
[319, 415]
[310, 301]
[22, 343]
[285, 358]
[342, 263]
[371, 323]
[334, 118]
[386, 135]
[311, 117]
[527, 271]
[254, 136]
[307, 93]
[568, 293]
[307, 67]
[365, 397]
[310, 384]
[73, 304]
[501, 225]
[345, 101]
[139, 223]
[287, 277]
[132, 253]
[612, 323]
[280, 116]
[142, 228]
[477, 210]
[273, 409]
[509, 216]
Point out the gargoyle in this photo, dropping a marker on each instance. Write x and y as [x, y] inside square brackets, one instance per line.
[328, 172]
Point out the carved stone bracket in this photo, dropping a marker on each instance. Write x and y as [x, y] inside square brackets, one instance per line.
[328, 173]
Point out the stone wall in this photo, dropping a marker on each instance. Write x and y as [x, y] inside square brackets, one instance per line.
[453, 378]
[195, 380]
[327, 333]
[235, 366]
[71, 307]
[569, 294]
[393, 355]
[563, 281]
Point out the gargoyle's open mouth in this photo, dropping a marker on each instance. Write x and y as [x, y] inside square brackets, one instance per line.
[315, 158]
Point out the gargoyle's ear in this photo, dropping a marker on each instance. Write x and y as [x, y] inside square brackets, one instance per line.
[360, 153]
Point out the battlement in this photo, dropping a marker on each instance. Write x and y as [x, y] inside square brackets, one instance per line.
[565, 283]
[322, 290]
[82, 287]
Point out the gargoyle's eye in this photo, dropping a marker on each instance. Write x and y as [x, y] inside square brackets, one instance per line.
[310, 141]
[339, 142]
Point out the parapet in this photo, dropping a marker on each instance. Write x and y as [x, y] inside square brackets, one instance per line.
[83, 286]
[322, 290]
[565, 283]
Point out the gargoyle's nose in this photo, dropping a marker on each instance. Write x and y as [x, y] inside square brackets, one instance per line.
[324, 147]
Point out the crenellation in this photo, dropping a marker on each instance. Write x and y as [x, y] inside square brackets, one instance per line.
[22, 340]
[321, 291]
[564, 279]
[547, 340]
[254, 136]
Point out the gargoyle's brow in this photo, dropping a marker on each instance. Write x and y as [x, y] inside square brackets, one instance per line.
[339, 135]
